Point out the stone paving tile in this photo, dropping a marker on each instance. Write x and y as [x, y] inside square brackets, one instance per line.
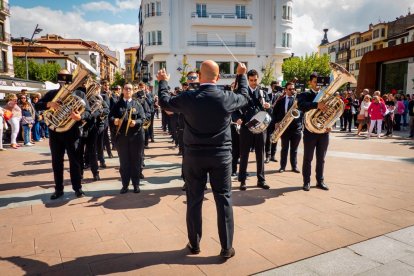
[5, 233]
[32, 265]
[332, 238]
[21, 248]
[392, 268]
[98, 221]
[41, 230]
[382, 249]
[409, 259]
[404, 235]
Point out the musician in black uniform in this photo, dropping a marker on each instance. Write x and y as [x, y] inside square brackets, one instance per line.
[103, 137]
[270, 148]
[207, 142]
[127, 117]
[258, 102]
[292, 135]
[312, 141]
[68, 141]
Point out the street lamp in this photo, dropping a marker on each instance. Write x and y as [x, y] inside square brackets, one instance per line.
[37, 30]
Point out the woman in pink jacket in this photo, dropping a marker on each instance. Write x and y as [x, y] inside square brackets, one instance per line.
[376, 111]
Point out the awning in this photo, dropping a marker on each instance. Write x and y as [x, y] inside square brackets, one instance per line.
[15, 85]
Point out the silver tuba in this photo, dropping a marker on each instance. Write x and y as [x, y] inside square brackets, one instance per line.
[318, 121]
[292, 113]
[59, 119]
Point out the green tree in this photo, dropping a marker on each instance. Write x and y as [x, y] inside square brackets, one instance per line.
[303, 67]
[268, 74]
[37, 72]
[119, 80]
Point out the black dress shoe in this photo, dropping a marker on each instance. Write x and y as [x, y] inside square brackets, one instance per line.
[267, 160]
[141, 176]
[110, 156]
[227, 253]
[103, 165]
[234, 174]
[281, 170]
[322, 185]
[56, 195]
[306, 186]
[152, 141]
[263, 185]
[137, 190]
[273, 159]
[79, 193]
[295, 170]
[243, 186]
[124, 190]
[184, 187]
[193, 250]
[96, 177]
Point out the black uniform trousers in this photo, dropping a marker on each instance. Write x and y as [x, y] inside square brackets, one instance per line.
[151, 127]
[247, 139]
[196, 169]
[292, 139]
[92, 147]
[235, 148]
[130, 149]
[106, 141]
[312, 141]
[270, 148]
[100, 143]
[68, 141]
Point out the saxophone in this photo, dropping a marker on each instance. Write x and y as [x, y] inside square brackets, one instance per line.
[59, 119]
[318, 121]
[292, 113]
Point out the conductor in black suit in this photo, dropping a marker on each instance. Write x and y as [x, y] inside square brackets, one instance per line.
[207, 142]
[292, 135]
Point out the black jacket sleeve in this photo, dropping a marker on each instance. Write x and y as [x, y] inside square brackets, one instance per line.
[305, 102]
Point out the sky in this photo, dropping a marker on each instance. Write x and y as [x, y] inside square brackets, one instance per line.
[115, 22]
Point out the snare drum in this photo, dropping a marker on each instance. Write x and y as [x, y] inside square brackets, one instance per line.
[259, 122]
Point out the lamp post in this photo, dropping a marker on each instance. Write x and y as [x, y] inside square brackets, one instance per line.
[36, 31]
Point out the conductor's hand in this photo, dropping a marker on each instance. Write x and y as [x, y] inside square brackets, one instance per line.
[162, 75]
[266, 105]
[322, 106]
[53, 105]
[75, 115]
[116, 121]
[241, 69]
[239, 122]
[132, 123]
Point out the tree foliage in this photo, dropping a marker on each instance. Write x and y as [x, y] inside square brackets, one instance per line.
[37, 71]
[303, 67]
[119, 80]
[268, 74]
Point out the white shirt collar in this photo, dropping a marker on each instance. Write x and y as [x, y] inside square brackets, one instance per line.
[207, 83]
[252, 89]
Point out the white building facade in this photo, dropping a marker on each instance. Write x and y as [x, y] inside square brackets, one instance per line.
[6, 55]
[180, 34]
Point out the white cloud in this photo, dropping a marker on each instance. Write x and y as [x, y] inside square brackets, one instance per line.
[98, 6]
[72, 25]
[128, 4]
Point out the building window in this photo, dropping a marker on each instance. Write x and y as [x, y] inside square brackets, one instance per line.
[158, 8]
[51, 61]
[163, 64]
[287, 12]
[287, 40]
[357, 66]
[383, 32]
[201, 10]
[154, 38]
[235, 64]
[3, 62]
[241, 11]
[224, 67]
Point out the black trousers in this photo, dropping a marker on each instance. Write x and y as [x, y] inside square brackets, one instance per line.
[247, 138]
[151, 127]
[196, 169]
[130, 150]
[347, 119]
[68, 141]
[235, 150]
[107, 141]
[292, 139]
[312, 142]
[100, 139]
[92, 149]
[270, 148]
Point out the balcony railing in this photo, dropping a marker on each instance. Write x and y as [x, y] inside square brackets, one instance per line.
[4, 7]
[5, 37]
[221, 15]
[151, 14]
[220, 44]
[154, 43]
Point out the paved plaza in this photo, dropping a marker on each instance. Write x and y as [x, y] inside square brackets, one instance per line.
[362, 225]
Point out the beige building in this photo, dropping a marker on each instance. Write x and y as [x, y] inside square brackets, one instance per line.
[6, 56]
[130, 63]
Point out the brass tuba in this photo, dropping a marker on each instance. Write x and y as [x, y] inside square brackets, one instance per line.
[59, 119]
[318, 121]
[292, 113]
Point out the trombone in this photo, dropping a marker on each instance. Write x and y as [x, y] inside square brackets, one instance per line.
[120, 123]
[129, 119]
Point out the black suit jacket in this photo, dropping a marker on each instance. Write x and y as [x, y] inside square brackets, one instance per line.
[279, 113]
[207, 116]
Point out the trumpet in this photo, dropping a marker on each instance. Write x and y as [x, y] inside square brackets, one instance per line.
[129, 120]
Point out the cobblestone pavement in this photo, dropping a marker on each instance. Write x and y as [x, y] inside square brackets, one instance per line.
[371, 195]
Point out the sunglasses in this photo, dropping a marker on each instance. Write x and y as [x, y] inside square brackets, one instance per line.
[191, 78]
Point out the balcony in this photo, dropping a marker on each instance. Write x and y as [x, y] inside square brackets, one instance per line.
[222, 19]
[220, 44]
[152, 14]
[4, 8]
[5, 38]
[154, 43]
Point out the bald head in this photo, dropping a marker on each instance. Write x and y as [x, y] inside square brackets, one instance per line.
[209, 72]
